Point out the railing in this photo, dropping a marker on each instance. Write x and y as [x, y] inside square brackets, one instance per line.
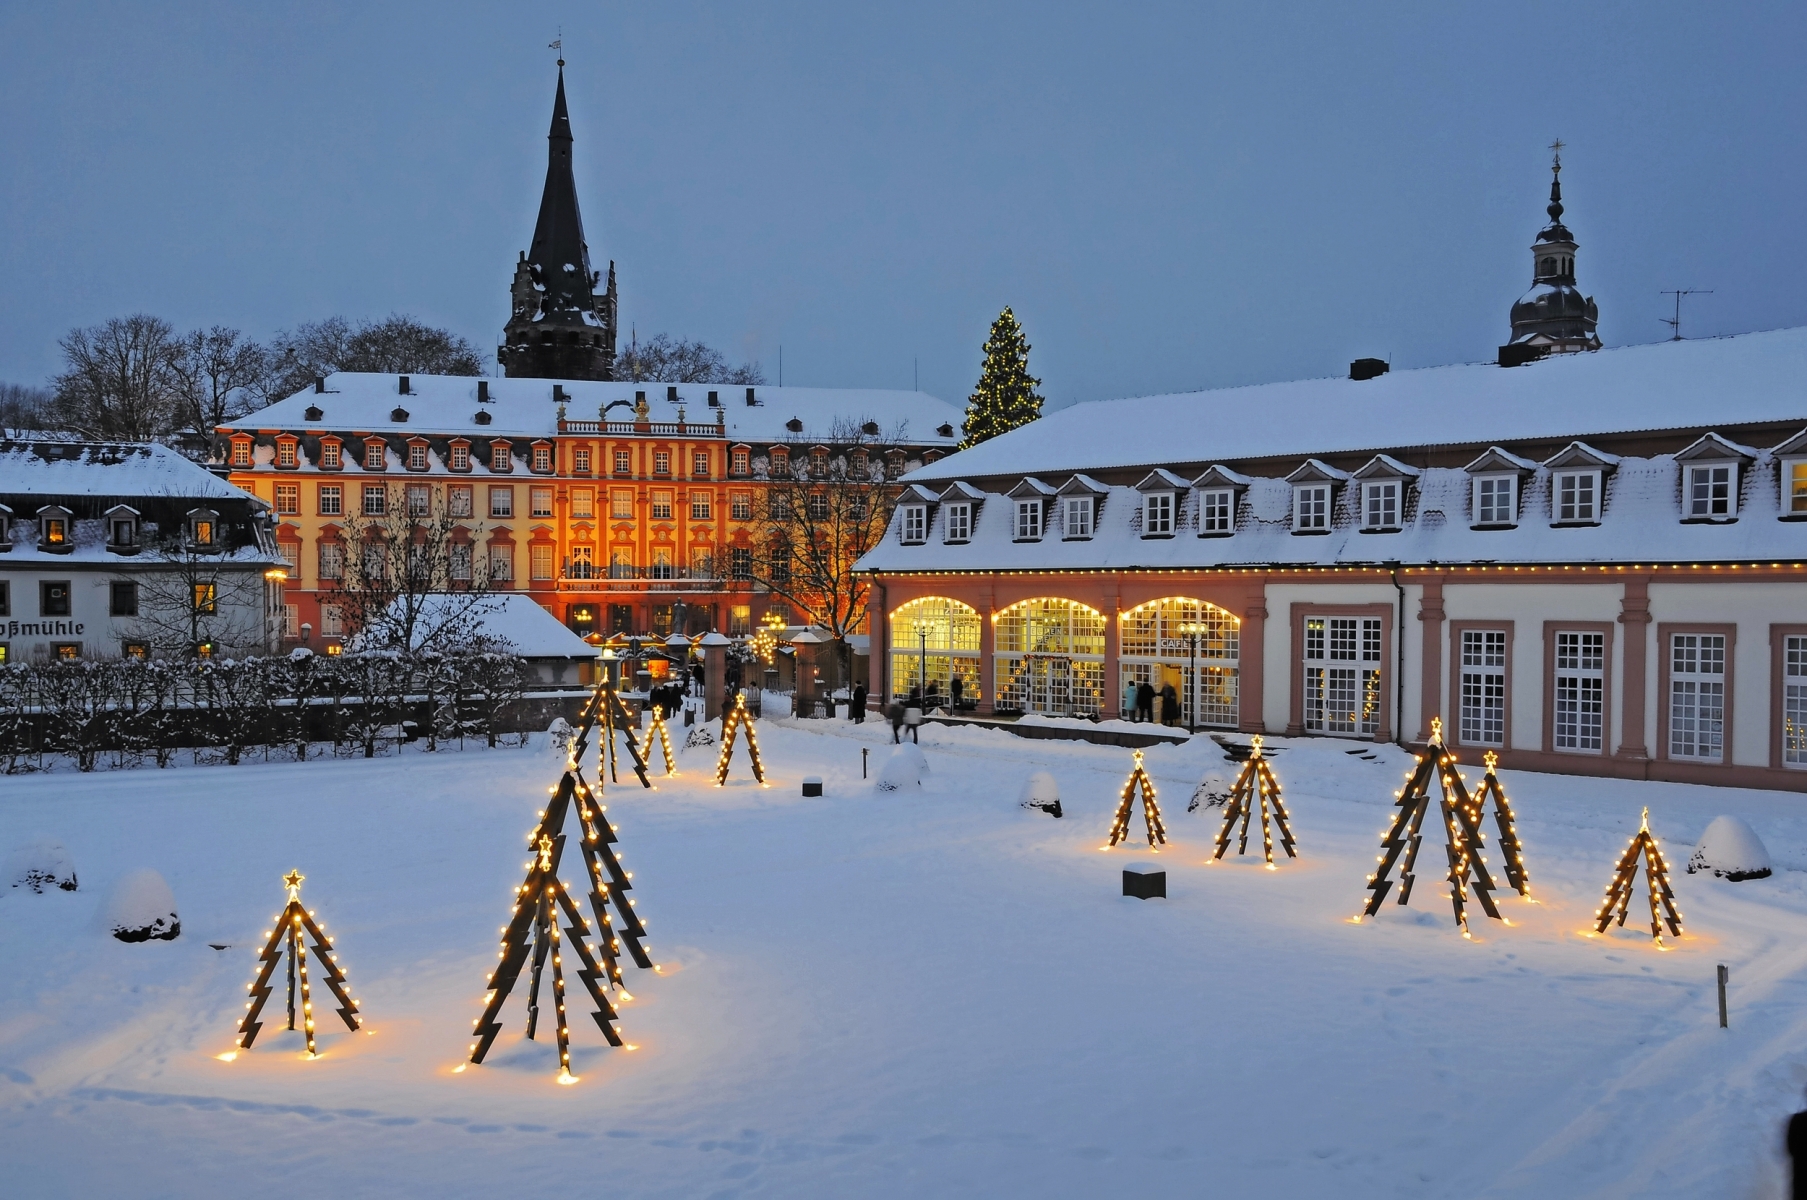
[668, 428]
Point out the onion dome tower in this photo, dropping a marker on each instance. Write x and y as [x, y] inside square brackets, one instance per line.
[1553, 317]
[560, 328]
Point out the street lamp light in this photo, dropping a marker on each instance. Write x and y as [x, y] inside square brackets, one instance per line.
[922, 662]
[1191, 630]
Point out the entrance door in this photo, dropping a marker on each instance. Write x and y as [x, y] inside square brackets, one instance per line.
[1050, 685]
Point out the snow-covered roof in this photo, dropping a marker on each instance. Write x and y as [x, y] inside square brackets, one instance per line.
[525, 408]
[1641, 521]
[1754, 377]
[529, 628]
[125, 470]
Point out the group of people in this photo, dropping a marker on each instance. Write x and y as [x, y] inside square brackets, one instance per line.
[1139, 698]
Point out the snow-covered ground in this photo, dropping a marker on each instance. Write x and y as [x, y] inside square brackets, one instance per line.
[929, 993]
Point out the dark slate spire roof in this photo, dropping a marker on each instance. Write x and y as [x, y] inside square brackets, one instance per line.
[559, 255]
[1555, 231]
[1554, 316]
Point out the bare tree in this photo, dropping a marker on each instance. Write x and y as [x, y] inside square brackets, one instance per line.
[196, 604]
[413, 578]
[24, 411]
[664, 359]
[397, 345]
[220, 373]
[820, 518]
[120, 379]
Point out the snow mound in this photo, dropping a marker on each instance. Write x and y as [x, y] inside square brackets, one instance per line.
[560, 732]
[40, 864]
[1040, 791]
[141, 907]
[903, 768]
[774, 704]
[1731, 850]
[1213, 791]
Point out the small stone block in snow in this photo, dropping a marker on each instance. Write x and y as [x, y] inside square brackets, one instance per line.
[141, 908]
[812, 785]
[1731, 850]
[39, 866]
[1145, 881]
[1040, 791]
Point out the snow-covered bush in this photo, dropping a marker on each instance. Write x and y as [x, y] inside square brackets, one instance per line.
[39, 865]
[1731, 850]
[141, 908]
[560, 733]
[1040, 791]
[1213, 791]
[702, 735]
[902, 769]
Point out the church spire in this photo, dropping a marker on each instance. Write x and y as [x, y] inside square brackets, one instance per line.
[1553, 317]
[559, 328]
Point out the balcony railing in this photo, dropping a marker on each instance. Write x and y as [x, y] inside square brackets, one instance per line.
[667, 428]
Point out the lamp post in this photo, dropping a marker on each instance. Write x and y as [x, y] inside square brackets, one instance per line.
[922, 660]
[1191, 629]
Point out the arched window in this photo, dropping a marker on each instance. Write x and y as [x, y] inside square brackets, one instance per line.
[934, 641]
[1158, 649]
[1050, 658]
[1546, 266]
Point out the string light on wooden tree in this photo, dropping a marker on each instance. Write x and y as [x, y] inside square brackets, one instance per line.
[1460, 816]
[733, 721]
[1643, 848]
[1138, 783]
[658, 730]
[288, 939]
[1517, 877]
[615, 718]
[1256, 785]
[533, 927]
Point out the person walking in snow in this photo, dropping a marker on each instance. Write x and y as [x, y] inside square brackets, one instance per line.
[896, 715]
[1129, 700]
[1145, 701]
[858, 709]
[1170, 705]
[956, 688]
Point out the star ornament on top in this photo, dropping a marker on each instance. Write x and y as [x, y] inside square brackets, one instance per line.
[292, 881]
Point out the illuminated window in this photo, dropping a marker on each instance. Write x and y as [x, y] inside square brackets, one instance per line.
[1794, 487]
[130, 650]
[701, 505]
[740, 618]
[67, 651]
[661, 506]
[206, 598]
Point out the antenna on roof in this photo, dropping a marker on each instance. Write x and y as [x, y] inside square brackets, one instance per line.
[1675, 322]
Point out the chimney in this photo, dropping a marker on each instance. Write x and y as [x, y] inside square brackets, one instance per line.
[320, 385]
[750, 401]
[558, 393]
[403, 389]
[483, 391]
[671, 394]
[1368, 368]
[715, 400]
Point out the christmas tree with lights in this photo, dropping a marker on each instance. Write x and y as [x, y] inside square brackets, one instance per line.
[1006, 396]
[658, 730]
[1255, 786]
[733, 721]
[287, 940]
[1643, 848]
[542, 899]
[1461, 818]
[1138, 782]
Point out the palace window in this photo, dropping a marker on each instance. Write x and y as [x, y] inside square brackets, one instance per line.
[1580, 696]
[541, 501]
[417, 456]
[420, 499]
[376, 500]
[778, 505]
[1496, 500]
[501, 502]
[1794, 700]
[542, 459]
[329, 456]
[740, 560]
[742, 462]
[621, 562]
[740, 618]
[1712, 491]
[1794, 487]
[1380, 504]
[624, 462]
[583, 565]
[621, 505]
[1697, 696]
[375, 456]
[501, 563]
[285, 453]
[817, 506]
[915, 523]
[458, 500]
[1028, 520]
[458, 562]
[1342, 675]
[1311, 508]
[818, 463]
[332, 561]
[500, 460]
[1157, 514]
[1076, 522]
[1216, 510]
[661, 462]
[740, 506]
[288, 498]
[332, 620]
[661, 564]
[661, 506]
[332, 500]
[702, 504]
[1577, 497]
[540, 559]
[781, 462]
[583, 503]
[957, 522]
[699, 464]
[580, 461]
[1483, 711]
[241, 452]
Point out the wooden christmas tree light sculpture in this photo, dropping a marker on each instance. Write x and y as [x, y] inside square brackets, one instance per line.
[1151, 812]
[287, 941]
[1624, 882]
[1256, 785]
[615, 717]
[1460, 817]
[735, 720]
[659, 731]
[533, 928]
[1516, 876]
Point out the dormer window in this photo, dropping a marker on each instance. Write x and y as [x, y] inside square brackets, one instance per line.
[542, 459]
[6, 539]
[329, 456]
[915, 524]
[818, 462]
[241, 452]
[1311, 508]
[461, 456]
[285, 453]
[375, 456]
[1028, 520]
[1380, 504]
[1077, 517]
[1496, 500]
[894, 463]
[1216, 511]
[1576, 497]
[1712, 492]
[203, 529]
[1157, 514]
[56, 529]
[122, 529]
[417, 456]
[500, 460]
[958, 522]
[741, 461]
[781, 462]
[125, 532]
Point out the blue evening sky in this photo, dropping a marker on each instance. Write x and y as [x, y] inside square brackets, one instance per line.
[1170, 196]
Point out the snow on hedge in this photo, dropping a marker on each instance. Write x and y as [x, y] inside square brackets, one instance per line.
[1730, 849]
[141, 908]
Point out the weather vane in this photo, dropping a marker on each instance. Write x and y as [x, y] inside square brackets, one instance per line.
[558, 44]
[1556, 153]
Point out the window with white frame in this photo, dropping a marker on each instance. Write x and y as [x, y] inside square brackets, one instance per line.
[461, 457]
[1697, 696]
[540, 501]
[1794, 700]
[1794, 487]
[1577, 497]
[376, 499]
[1078, 517]
[1157, 514]
[583, 504]
[458, 561]
[1028, 520]
[1580, 700]
[957, 522]
[539, 560]
[501, 502]
[1380, 504]
[420, 499]
[501, 563]
[1311, 508]
[702, 505]
[417, 456]
[1712, 491]
[332, 560]
[1216, 510]
[332, 620]
[458, 500]
[1483, 687]
[1342, 675]
[1496, 500]
[915, 522]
